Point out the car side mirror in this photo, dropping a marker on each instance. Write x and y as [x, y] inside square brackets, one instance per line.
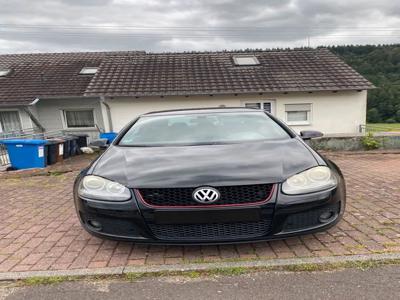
[310, 134]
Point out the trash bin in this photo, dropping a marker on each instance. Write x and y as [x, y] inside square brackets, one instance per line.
[55, 151]
[68, 144]
[73, 146]
[26, 154]
[52, 152]
[82, 140]
[110, 136]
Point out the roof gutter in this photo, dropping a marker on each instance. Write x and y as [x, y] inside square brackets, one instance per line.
[108, 109]
[34, 101]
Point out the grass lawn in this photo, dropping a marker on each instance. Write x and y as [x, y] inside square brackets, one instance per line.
[383, 127]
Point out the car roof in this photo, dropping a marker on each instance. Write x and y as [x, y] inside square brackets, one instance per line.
[201, 111]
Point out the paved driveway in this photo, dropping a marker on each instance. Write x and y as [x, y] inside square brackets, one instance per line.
[39, 229]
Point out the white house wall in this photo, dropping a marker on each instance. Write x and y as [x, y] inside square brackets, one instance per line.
[49, 112]
[331, 113]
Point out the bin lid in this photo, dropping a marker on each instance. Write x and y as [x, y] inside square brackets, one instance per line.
[23, 142]
[81, 134]
[69, 137]
[56, 140]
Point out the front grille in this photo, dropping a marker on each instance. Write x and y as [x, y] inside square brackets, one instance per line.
[230, 195]
[212, 231]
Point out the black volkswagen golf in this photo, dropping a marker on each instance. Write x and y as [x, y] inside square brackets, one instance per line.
[209, 176]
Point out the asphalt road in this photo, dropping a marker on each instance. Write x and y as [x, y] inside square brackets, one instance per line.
[377, 283]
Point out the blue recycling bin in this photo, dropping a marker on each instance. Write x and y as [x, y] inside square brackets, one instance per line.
[110, 136]
[26, 154]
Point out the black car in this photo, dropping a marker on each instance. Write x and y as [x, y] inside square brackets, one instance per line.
[209, 176]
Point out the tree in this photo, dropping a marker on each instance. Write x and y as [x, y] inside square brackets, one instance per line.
[380, 64]
[373, 116]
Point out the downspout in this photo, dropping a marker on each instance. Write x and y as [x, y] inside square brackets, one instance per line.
[108, 109]
[33, 118]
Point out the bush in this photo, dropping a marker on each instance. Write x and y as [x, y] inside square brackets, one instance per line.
[391, 121]
[369, 142]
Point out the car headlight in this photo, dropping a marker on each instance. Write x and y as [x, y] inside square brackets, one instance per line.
[98, 188]
[311, 180]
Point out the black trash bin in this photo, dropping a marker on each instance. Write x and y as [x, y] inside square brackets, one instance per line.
[55, 150]
[67, 147]
[70, 145]
[82, 141]
[52, 152]
[73, 149]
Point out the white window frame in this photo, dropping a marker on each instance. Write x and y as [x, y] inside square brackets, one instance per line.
[299, 123]
[236, 60]
[5, 72]
[64, 118]
[261, 102]
[88, 70]
[19, 117]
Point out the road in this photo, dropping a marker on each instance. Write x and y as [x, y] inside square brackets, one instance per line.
[376, 283]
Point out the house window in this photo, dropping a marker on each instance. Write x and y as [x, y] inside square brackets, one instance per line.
[79, 118]
[267, 106]
[298, 114]
[245, 60]
[10, 121]
[88, 70]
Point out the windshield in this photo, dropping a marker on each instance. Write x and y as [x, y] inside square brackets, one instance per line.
[199, 129]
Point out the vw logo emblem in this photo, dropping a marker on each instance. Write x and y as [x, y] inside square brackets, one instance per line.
[206, 195]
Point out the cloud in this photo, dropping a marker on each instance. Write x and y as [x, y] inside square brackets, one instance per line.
[172, 25]
[87, 2]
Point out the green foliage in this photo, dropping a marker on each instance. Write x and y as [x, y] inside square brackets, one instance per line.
[47, 280]
[373, 115]
[369, 142]
[383, 127]
[380, 64]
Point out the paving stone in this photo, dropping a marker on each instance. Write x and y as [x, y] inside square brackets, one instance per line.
[40, 231]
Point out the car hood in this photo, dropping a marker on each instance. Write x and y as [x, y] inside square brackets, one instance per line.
[215, 165]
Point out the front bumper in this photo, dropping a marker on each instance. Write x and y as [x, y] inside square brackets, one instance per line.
[282, 216]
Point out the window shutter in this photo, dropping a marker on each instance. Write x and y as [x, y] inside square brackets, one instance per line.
[255, 105]
[297, 107]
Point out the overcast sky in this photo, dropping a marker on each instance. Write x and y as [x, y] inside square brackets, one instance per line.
[172, 25]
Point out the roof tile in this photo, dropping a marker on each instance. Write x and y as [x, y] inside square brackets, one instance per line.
[160, 74]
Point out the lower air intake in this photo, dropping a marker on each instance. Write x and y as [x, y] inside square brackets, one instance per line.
[212, 231]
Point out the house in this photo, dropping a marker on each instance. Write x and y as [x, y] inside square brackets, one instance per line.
[309, 89]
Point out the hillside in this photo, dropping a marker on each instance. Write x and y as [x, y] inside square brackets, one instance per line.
[381, 65]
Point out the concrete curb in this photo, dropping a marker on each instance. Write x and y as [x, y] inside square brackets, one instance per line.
[201, 266]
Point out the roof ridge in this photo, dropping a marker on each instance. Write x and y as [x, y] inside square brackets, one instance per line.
[267, 50]
[74, 53]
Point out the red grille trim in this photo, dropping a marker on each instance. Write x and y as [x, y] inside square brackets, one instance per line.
[140, 198]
